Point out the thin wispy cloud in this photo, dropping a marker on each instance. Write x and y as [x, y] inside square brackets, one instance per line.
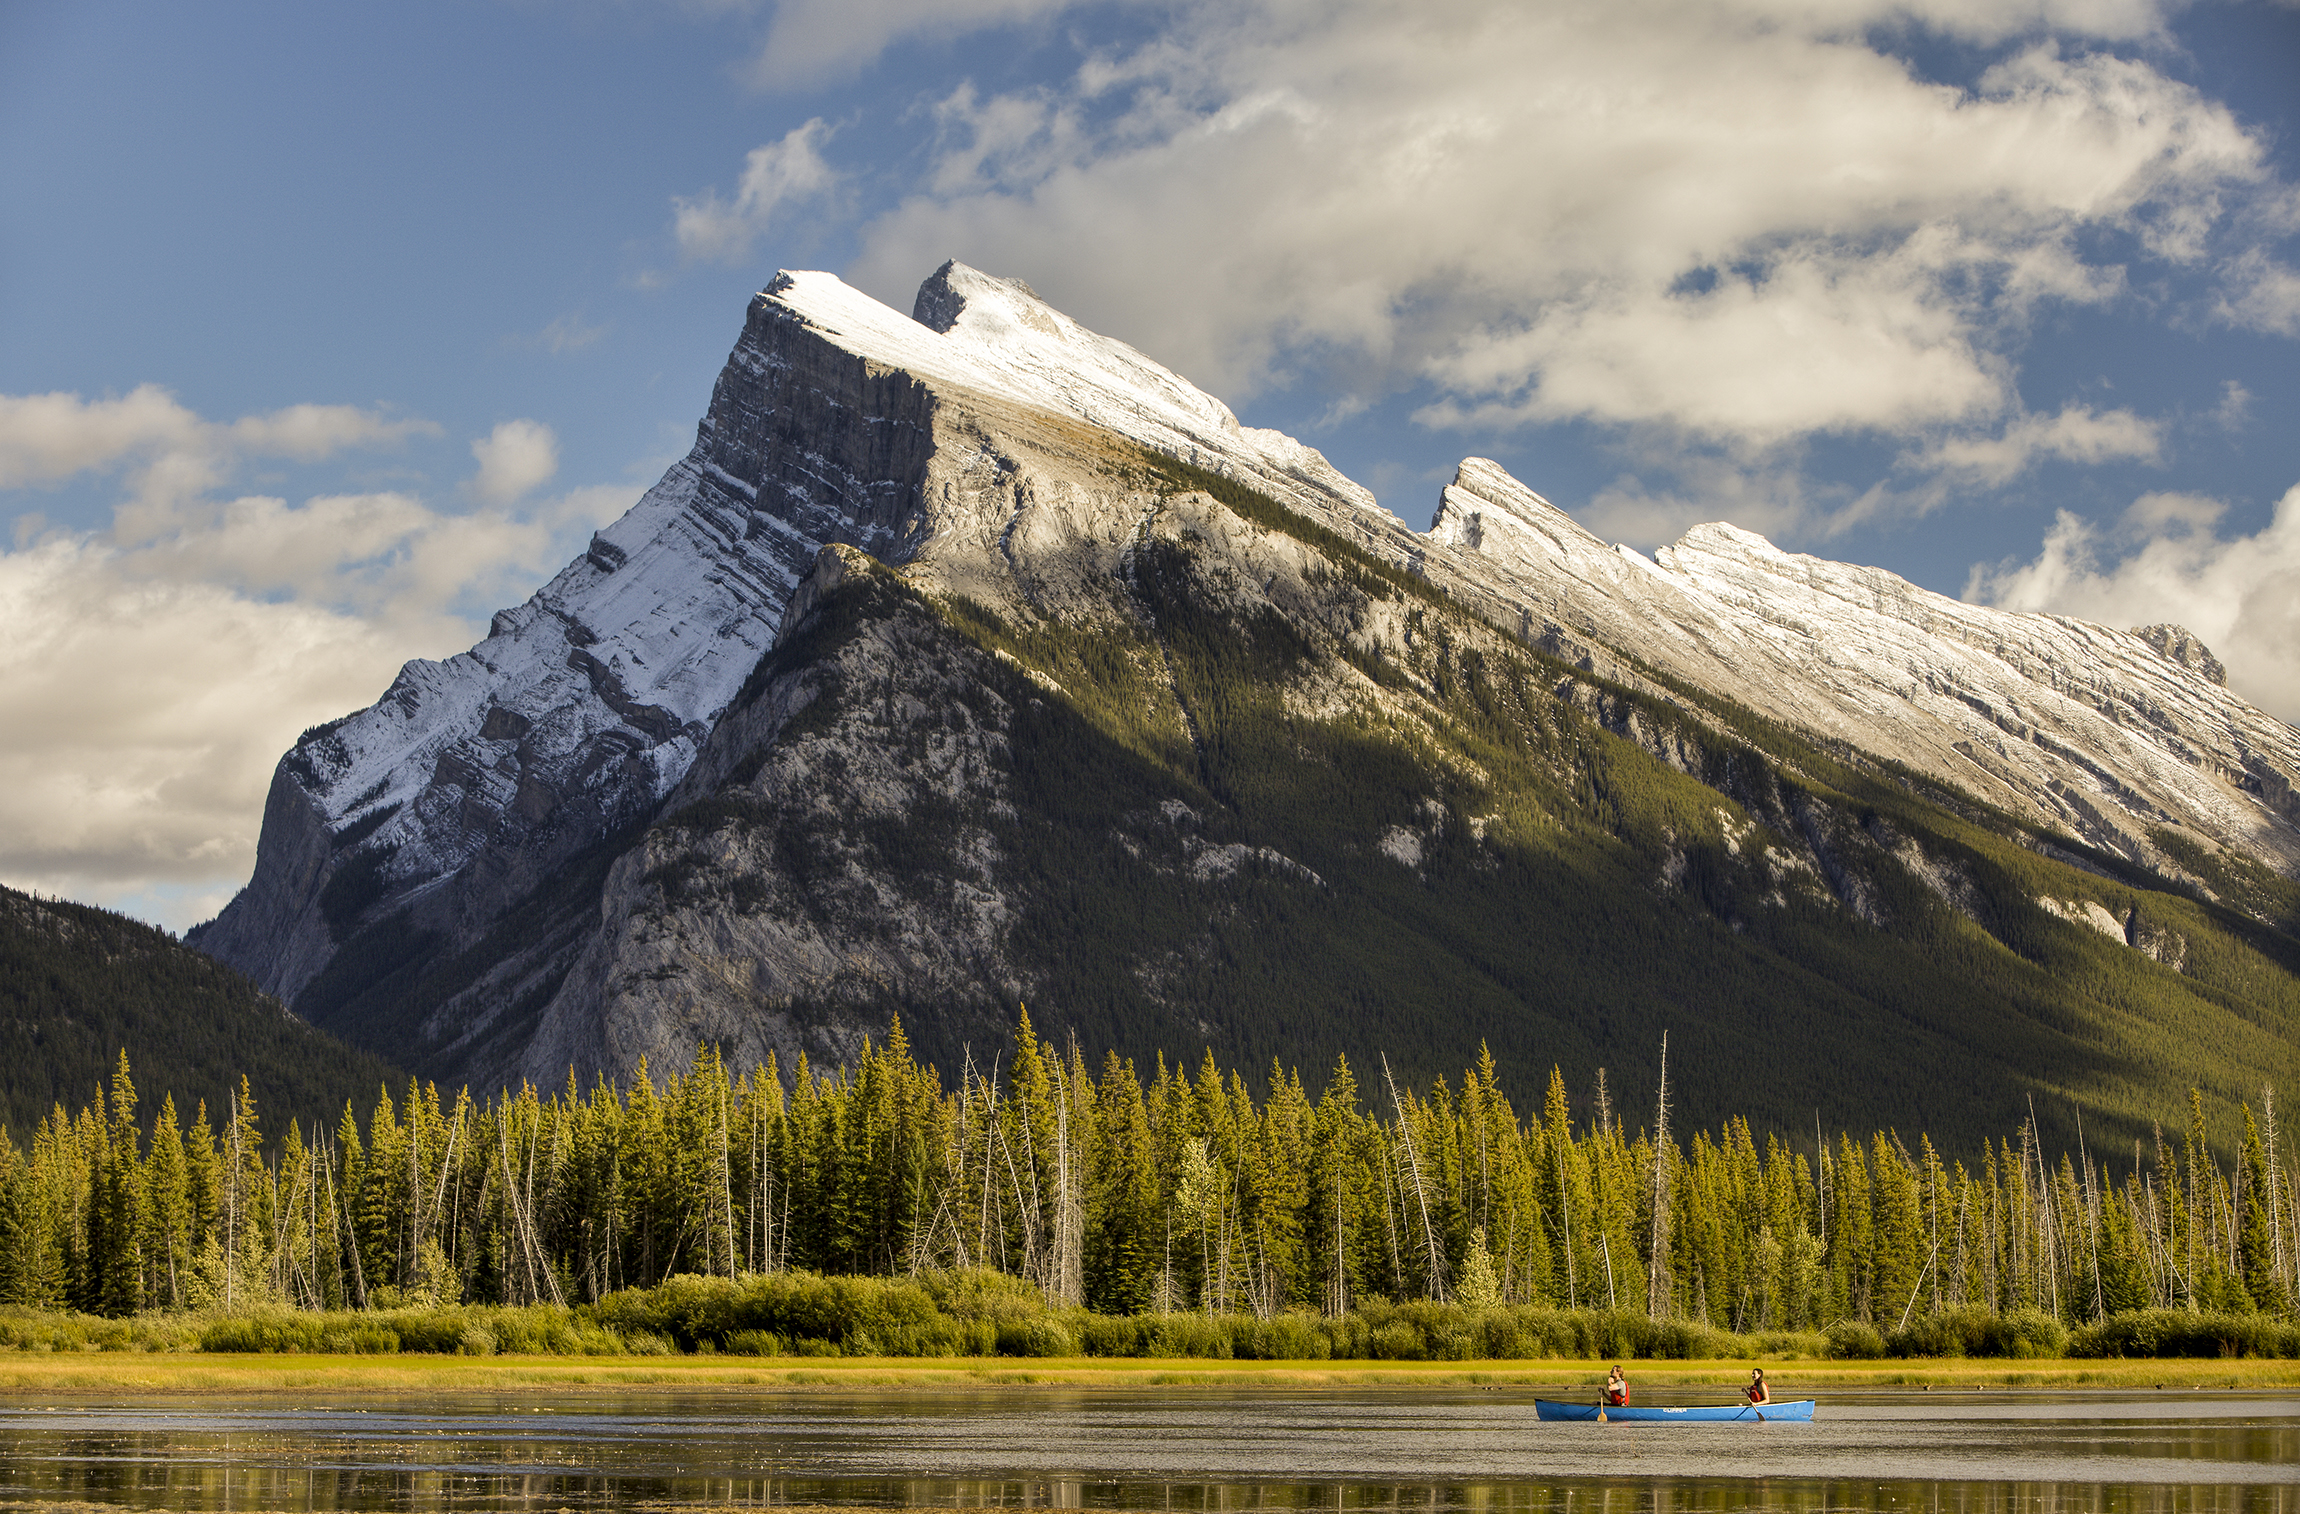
[568, 333]
[722, 229]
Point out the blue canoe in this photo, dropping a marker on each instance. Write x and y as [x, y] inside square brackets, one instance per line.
[1798, 1410]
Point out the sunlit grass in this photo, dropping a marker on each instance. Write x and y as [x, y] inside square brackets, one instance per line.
[208, 1372]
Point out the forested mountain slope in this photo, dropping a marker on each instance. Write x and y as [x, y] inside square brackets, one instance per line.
[1081, 695]
[79, 984]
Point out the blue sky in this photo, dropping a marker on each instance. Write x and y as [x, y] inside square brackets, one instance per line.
[325, 330]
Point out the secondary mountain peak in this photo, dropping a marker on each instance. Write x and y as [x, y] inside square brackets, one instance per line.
[2111, 736]
[2186, 648]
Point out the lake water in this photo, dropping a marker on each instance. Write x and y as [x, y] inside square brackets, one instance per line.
[1187, 1449]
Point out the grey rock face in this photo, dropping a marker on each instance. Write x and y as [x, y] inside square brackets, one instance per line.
[474, 780]
[758, 914]
[2182, 646]
[836, 851]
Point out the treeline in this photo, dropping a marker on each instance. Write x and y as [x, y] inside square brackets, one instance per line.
[1125, 1196]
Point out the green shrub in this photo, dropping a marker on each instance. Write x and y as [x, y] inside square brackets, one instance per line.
[935, 1337]
[1498, 1338]
[1397, 1341]
[359, 1340]
[2024, 1333]
[752, 1343]
[2176, 1332]
[981, 1293]
[1788, 1345]
[973, 1312]
[1685, 1340]
[1285, 1338]
[264, 1332]
[1114, 1335]
[1186, 1335]
[1955, 1332]
[438, 1331]
[1352, 1337]
[1035, 1337]
[543, 1330]
[872, 1314]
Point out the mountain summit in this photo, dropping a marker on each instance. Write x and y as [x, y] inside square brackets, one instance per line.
[973, 658]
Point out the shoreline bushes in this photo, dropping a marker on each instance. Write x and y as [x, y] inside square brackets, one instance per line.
[977, 1313]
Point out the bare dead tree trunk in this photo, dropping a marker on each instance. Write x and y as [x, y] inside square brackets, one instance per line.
[1421, 1193]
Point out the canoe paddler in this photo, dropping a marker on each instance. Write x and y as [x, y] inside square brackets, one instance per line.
[1757, 1391]
[1616, 1388]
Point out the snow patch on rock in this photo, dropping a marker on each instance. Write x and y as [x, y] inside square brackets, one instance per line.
[2086, 912]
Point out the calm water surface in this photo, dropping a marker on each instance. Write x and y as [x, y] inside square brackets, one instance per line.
[1185, 1449]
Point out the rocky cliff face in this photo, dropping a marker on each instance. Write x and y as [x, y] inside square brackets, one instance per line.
[971, 657]
[475, 780]
[399, 838]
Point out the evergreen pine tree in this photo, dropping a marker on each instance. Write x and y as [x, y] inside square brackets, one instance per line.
[169, 1237]
[2255, 1237]
[1122, 1243]
[119, 1204]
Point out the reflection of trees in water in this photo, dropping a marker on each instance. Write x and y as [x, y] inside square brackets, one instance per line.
[1199, 1452]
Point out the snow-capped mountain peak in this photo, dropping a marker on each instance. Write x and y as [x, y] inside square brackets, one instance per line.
[456, 833]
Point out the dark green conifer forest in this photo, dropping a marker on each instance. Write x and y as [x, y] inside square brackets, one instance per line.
[1137, 1192]
[77, 983]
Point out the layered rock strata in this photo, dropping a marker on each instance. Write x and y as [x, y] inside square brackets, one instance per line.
[2105, 734]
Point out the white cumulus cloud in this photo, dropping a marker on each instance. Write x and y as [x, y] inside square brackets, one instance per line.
[1745, 225]
[515, 459]
[158, 669]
